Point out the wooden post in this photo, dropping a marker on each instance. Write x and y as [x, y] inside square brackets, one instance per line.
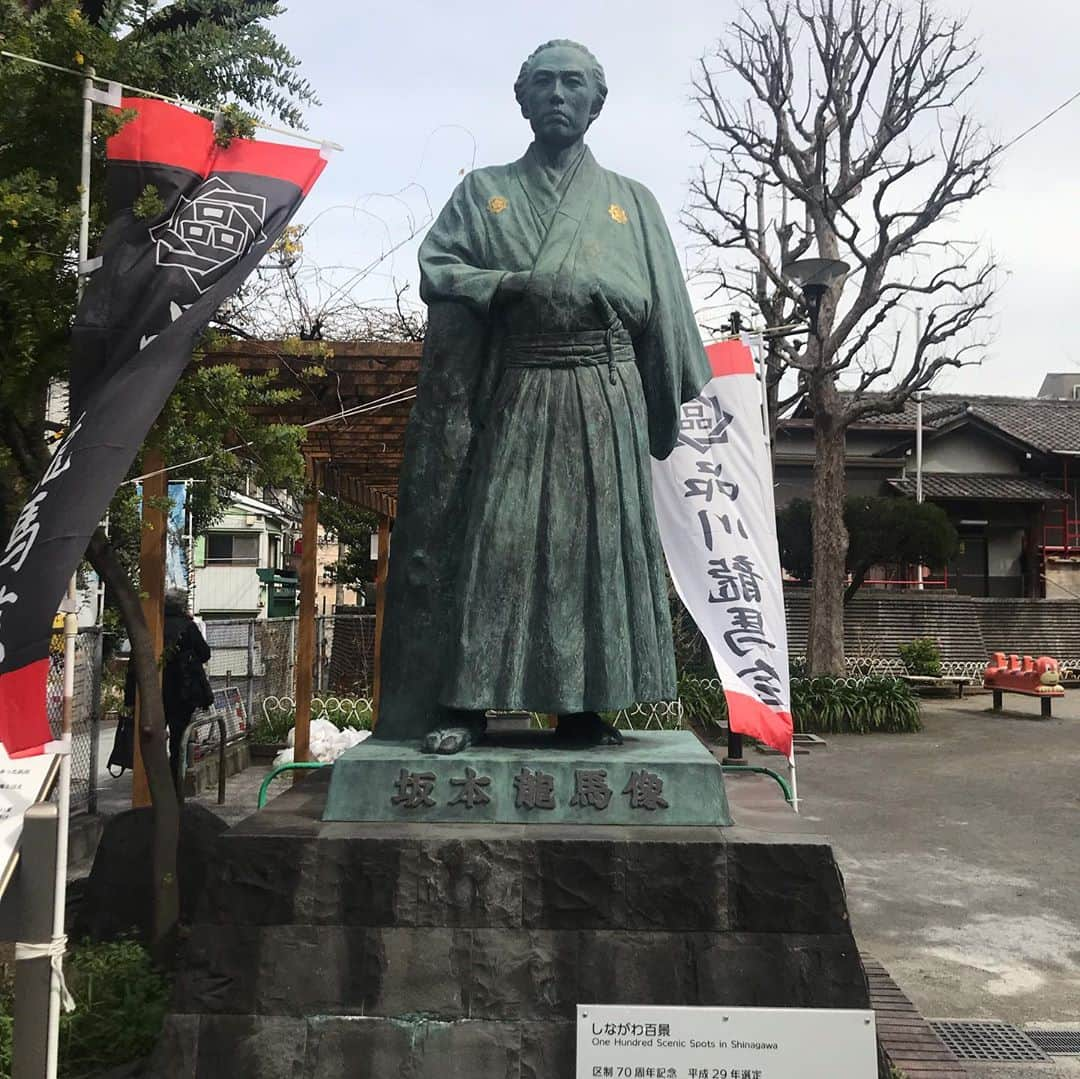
[152, 587]
[305, 635]
[380, 609]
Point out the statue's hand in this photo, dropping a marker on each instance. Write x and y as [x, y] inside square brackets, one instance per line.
[512, 287]
[520, 284]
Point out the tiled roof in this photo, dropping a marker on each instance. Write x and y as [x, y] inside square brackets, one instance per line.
[984, 487]
[1047, 424]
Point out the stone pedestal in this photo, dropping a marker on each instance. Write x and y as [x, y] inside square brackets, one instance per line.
[528, 777]
[353, 950]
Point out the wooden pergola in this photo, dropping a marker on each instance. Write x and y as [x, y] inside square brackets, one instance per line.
[354, 401]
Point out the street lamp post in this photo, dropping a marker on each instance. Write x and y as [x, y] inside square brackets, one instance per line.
[815, 277]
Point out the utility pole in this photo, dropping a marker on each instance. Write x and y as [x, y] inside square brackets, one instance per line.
[918, 441]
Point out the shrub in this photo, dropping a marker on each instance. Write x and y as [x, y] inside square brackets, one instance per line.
[278, 718]
[921, 656]
[854, 705]
[120, 999]
[703, 700]
[273, 726]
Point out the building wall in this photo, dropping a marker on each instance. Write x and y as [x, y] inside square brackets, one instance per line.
[229, 590]
[326, 596]
[1062, 578]
[235, 591]
[967, 451]
[1004, 545]
[1060, 385]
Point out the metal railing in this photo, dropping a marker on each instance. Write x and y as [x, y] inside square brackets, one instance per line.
[222, 740]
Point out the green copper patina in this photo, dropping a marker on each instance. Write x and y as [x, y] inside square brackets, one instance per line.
[526, 570]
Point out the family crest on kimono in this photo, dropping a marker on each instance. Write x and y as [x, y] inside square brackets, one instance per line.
[526, 571]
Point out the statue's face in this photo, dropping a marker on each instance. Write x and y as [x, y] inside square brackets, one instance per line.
[559, 96]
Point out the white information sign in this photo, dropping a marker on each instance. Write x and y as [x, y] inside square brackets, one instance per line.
[624, 1042]
[22, 783]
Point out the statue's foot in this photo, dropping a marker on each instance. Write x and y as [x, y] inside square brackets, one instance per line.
[454, 739]
[448, 740]
[586, 728]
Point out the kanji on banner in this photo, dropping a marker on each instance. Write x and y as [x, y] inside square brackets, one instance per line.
[160, 281]
[714, 505]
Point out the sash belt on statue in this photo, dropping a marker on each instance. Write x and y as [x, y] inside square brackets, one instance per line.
[583, 348]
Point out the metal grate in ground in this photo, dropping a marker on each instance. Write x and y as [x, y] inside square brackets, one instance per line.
[1058, 1042]
[986, 1040]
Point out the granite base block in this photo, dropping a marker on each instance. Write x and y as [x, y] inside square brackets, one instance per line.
[401, 950]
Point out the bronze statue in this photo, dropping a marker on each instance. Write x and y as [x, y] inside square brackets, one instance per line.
[526, 570]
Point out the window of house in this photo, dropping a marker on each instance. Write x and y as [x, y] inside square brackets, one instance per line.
[274, 552]
[232, 548]
[1076, 392]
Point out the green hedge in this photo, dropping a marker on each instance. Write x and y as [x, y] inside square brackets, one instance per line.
[854, 705]
[703, 700]
[822, 705]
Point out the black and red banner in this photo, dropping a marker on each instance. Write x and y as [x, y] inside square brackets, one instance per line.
[159, 283]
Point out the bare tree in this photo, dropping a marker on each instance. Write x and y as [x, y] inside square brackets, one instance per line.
[846, 125]
[291, 296]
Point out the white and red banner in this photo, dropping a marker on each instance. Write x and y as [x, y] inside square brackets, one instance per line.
[714, 504]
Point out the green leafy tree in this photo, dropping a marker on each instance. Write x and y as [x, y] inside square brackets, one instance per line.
[793, 536]
[353, 528]
[881, 531]
[207, 53]
[214, 54]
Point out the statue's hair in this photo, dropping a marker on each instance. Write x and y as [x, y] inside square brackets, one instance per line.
[597, 70]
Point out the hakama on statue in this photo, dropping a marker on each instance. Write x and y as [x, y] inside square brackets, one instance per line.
[526, 569]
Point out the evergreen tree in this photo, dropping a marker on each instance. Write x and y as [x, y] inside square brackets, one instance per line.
[219, 54]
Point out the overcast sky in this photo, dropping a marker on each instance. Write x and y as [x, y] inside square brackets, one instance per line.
[419, 91]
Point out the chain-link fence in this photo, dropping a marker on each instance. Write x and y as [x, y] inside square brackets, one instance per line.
[258, 656]
[256, 660]
[86, 716]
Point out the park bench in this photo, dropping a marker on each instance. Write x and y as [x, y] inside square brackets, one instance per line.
[1027, 678]
[939, 681]
[1045, 698]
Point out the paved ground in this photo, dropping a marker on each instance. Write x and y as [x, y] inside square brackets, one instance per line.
[961, 851]
[241, 791]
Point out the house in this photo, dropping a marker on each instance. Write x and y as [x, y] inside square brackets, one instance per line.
[1006, 470]
[242, 565]
[329, 594]
[1066, 385]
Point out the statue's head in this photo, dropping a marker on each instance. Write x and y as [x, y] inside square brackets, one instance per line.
[561, 90]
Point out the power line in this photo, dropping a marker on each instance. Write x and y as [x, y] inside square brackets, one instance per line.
[165, 97]
[395, 398]
[1038, 123]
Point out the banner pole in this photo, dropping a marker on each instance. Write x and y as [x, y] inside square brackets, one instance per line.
[71, 630]
[758, 341]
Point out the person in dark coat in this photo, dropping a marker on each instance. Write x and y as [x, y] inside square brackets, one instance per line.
[183, 684]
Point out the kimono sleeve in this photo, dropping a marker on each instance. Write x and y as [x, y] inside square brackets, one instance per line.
[452, 257]
[670, 356]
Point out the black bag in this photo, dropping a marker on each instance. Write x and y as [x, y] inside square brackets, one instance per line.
[123, 750]
[195, 689]
[185, 678]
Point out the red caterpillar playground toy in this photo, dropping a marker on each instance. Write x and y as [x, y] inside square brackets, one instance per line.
[1032, 677]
